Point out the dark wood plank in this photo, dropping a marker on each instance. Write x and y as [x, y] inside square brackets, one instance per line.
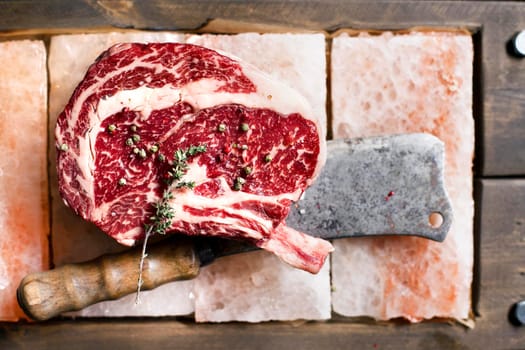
[500, 83]
[501, 279]
[501, 282]
[503, 93]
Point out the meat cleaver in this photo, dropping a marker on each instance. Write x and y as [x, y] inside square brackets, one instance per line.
[390, 185]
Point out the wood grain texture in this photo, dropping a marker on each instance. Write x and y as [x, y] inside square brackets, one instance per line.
[500, 116]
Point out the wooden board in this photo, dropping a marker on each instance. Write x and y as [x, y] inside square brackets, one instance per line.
[499, 84]
[499, 108]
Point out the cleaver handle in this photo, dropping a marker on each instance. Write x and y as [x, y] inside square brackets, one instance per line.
[47, 294]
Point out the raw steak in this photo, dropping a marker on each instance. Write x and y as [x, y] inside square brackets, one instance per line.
[24, 218]
[420, 82]
[263, 148]
[77, 240]
[256, 287]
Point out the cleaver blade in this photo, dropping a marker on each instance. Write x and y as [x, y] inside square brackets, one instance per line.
[391, 185]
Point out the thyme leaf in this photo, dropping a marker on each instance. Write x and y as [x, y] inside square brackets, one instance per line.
[164, 213]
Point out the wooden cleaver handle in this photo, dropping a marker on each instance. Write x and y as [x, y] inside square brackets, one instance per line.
[44, 295]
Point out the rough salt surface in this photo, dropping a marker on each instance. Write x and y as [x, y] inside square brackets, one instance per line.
[23, 175]
[258, 287]
[73, 239]
[421, 82]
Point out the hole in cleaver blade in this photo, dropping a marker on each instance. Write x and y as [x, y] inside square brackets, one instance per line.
[391, 185]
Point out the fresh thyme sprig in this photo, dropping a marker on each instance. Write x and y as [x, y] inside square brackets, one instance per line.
[164, 213]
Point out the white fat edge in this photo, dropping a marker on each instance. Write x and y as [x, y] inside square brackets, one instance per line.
[230, 222]
[100, 81]
[123, 238]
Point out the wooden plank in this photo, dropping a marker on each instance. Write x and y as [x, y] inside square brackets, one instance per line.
[500, 83]
[501, 282]
[28, 14]
[503, 93]
[502, 255]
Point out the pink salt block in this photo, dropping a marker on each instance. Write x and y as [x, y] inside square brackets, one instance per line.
[24, 218]
[257, 286]
[389, 84]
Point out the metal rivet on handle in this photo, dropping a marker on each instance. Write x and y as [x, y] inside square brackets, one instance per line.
[517, 313]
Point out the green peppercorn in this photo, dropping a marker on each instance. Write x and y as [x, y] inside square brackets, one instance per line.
[142, 153]
[237, 186]
[64, 147]
[133, 128]
[245, 127]
[268, 158]
[221, 127]
[112, 127]
[247, 170]
[154, 148]
[136, 150]
[122, 181]
[135, 138]
[244, 147]
[129, 142]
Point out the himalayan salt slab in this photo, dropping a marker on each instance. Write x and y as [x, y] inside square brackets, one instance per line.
[74, 239]
[24, 217]
[258, 287]
[387, 84]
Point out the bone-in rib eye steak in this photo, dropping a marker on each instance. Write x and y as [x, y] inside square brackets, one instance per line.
[118, 136]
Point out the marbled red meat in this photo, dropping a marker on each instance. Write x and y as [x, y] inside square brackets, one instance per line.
[172, 96]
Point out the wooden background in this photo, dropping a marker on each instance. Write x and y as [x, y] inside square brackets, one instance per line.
[499, 110]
